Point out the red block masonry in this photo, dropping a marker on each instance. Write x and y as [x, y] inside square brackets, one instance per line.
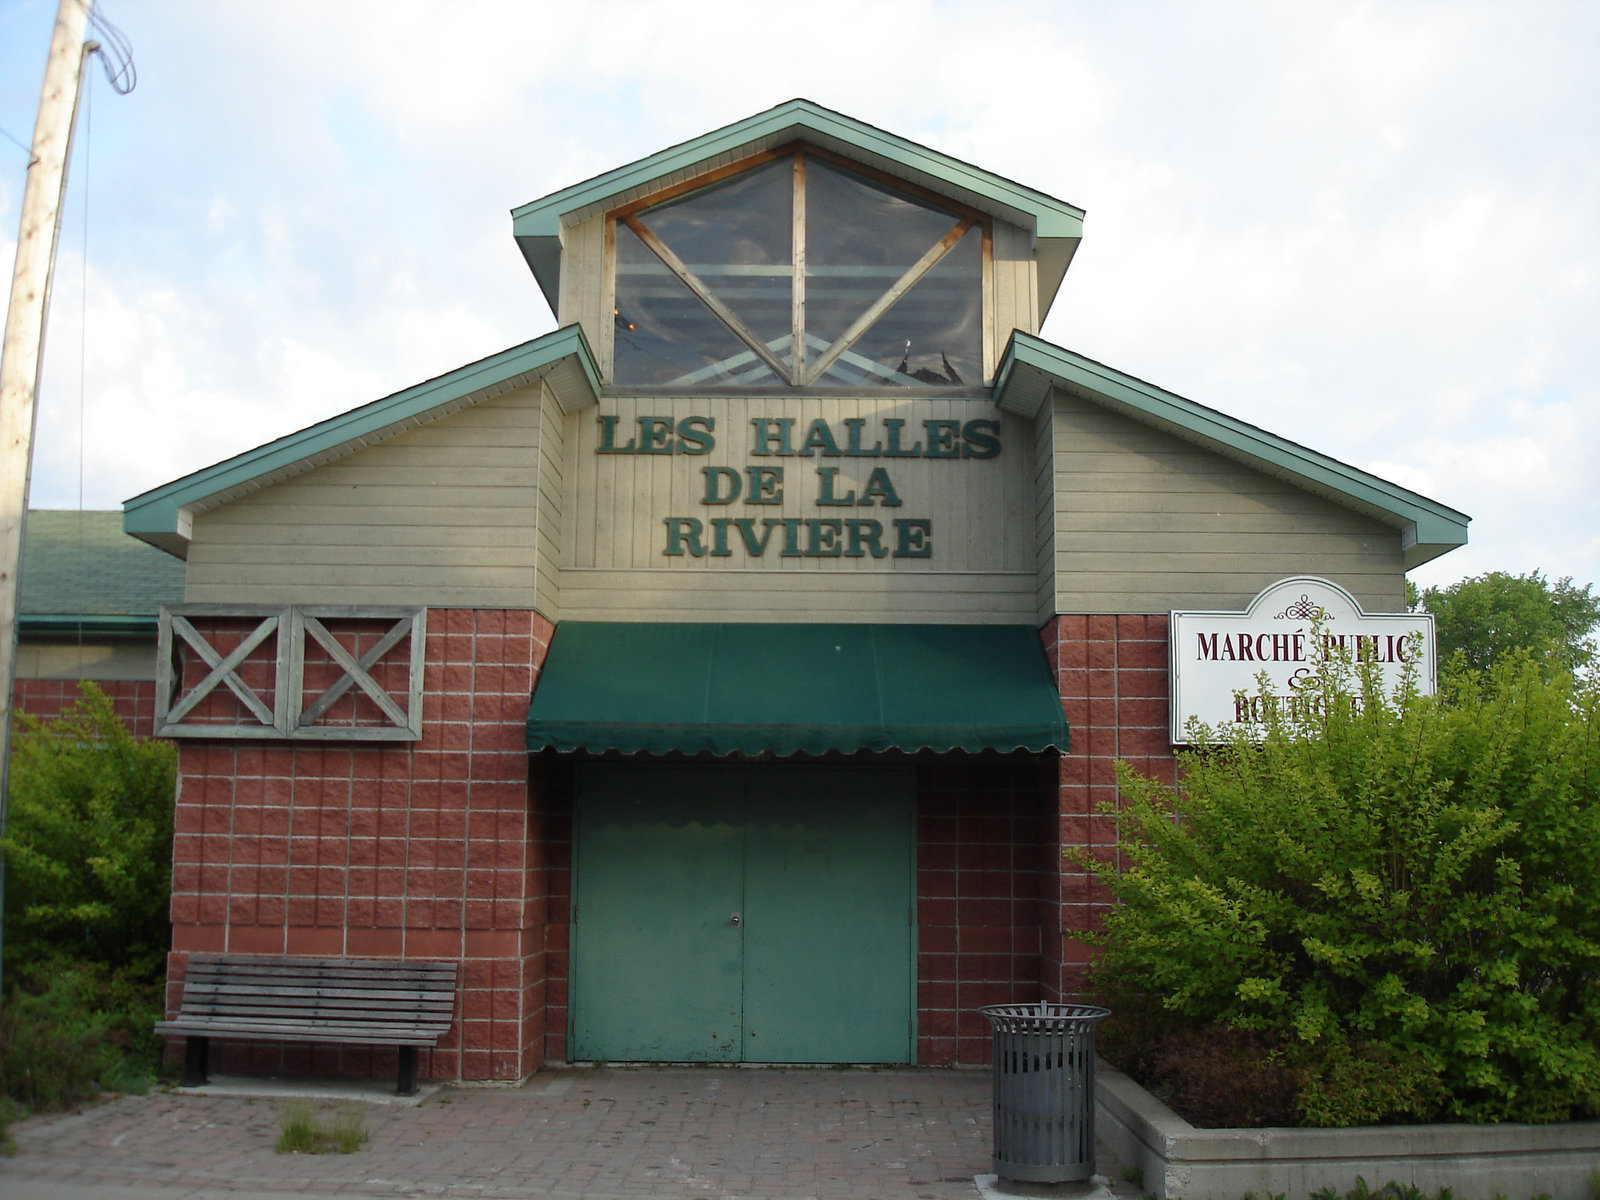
[135, 701]
[458, 847]
[413, 850]
[1112, 672]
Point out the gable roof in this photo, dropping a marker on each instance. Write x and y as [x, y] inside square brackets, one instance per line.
[562, 359]
[1032, 366]
[1056, 225]
[81, 572]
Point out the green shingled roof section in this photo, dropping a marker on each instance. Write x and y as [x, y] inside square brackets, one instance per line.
[1056, 225]
[1031, 366]
[155, 516]
[79, 570]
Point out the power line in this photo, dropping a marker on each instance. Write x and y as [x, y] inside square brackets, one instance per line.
[115, 52]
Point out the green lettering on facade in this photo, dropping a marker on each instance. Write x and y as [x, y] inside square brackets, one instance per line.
[768, 430]
[878, 485]
[912, 538]
[819, 438]
[684, 537]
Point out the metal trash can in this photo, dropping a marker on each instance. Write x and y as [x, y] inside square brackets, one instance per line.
[1044, 1090]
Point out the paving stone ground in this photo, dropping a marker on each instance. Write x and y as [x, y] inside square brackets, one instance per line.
[599, 1134]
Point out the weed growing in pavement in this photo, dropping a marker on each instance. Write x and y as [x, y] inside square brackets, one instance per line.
[300, 1131]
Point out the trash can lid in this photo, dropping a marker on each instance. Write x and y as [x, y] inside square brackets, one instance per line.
[1044, 1016]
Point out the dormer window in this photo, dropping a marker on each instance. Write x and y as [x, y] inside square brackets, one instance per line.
[798, 272]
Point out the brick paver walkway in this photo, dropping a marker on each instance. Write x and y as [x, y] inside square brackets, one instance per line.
[608, 1132]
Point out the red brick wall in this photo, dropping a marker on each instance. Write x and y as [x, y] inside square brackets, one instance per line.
[459, 847]
[985, 862]
[413, 850]
[551, 787]
[135, 701]
[1112, 672]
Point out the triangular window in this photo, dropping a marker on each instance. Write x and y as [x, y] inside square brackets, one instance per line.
[798, 272]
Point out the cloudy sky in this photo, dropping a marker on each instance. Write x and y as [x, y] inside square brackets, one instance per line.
[1371, 228]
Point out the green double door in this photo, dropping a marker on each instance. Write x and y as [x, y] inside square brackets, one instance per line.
[757, 913]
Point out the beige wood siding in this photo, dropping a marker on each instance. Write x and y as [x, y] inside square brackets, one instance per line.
[586, 286]
[1044, 514]
[441, 515]
[119, 659]
[776, 596]
[983, 561]
[551, 524]
[1145, 522]
[1014, 296]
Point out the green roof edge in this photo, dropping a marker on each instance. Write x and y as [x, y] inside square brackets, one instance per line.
[153, 516]
[52, 623]
[1427, 523]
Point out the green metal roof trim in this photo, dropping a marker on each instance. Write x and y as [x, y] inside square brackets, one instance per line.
[1057, 226]
[80, 572]
[794, 689]
[1032, 366]
[161, 515]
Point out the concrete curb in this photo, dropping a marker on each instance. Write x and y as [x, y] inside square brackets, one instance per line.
[1178, 1161]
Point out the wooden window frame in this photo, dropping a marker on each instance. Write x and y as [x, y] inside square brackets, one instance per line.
[803, 374]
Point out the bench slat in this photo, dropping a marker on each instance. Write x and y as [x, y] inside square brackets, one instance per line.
[315, 995]
[354, 967]
[299, 1032]
[337, 1000]
[313, 1004]
[322, 978]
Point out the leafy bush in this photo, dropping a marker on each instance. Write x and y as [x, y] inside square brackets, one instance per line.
[1216, 1077]
[88, 853]
[1401, 893]
[88, 845]
[74, 1032]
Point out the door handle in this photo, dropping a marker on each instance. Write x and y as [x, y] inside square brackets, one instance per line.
[736, 920]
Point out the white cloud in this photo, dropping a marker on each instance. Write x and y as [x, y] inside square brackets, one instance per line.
[1368, 228]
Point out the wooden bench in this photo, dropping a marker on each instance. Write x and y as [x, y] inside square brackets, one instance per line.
[346, 1001]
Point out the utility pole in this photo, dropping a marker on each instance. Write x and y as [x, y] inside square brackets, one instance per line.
[22, 353]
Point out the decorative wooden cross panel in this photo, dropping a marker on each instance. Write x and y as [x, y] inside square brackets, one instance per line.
[353, 658]
[399, 723]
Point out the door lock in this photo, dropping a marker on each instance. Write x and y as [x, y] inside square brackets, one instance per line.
[736, 920]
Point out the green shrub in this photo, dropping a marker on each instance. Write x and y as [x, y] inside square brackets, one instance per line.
[88, 853]
[74, 1031]
[1402, 892]
[88, 841]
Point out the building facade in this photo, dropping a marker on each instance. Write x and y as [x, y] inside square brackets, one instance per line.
[732, 674]
[89, 608]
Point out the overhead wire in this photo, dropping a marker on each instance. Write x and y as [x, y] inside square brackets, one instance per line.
[115, 52]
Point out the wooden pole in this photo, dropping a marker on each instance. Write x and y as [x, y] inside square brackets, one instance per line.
[21, 355]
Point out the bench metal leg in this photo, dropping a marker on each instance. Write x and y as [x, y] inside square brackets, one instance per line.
[196, 1061]
[408, 1071]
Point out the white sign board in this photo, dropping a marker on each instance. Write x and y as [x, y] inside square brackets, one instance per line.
[1218, 657]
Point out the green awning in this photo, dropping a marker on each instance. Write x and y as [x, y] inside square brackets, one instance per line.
[794, 689]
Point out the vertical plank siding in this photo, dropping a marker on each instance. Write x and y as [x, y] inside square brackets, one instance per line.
[617, 567]
[584, 285]
[1015, 298]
